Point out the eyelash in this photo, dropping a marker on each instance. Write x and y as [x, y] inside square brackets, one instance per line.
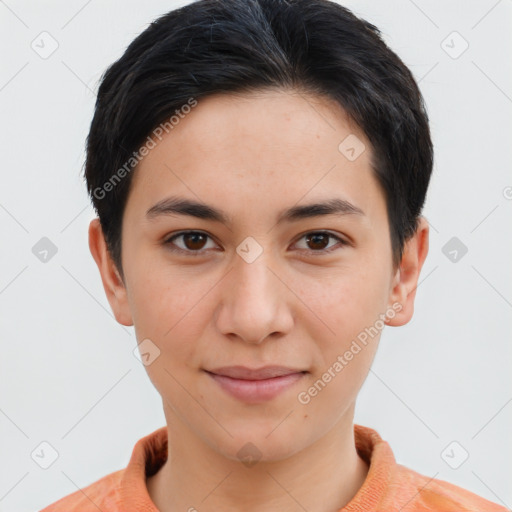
[169, 241]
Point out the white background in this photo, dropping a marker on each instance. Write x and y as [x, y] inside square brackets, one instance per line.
[67, 372]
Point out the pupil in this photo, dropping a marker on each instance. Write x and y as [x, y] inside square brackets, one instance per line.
[315, 239]
[193, 237]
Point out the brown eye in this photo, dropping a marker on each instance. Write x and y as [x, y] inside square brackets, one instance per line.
[318, 242]
[193, 242]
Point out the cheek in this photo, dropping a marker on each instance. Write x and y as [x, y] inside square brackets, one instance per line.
[343, 358]
[167, 310]
[348, 300]
[351, 309]
[172, 320]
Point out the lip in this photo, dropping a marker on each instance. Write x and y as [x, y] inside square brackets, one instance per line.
[255, 385]
[245, 373]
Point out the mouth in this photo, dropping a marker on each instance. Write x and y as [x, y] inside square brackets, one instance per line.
[255, 385]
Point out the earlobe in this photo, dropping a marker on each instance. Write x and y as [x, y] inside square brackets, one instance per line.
[405, 281]
[113, 285]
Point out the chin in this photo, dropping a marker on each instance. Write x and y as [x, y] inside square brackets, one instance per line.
[259, 444]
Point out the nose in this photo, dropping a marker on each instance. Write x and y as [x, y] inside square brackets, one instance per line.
[254, 302]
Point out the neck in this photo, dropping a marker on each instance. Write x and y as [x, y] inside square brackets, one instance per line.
[323, 477]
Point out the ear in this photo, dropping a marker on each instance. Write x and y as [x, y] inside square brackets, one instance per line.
[112, 282]
[405, 281]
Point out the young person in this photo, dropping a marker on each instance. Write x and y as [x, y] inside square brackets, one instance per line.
[259, 168]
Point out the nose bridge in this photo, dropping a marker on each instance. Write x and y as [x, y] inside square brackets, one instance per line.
[253, 300]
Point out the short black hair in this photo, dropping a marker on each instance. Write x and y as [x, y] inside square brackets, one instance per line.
[235, 46]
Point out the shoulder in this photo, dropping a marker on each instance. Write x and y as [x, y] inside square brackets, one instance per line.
[100, 495]
[126, 486]
[432, 494]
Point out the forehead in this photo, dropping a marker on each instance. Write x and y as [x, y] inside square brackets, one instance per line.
[259, 149]
[263, 120]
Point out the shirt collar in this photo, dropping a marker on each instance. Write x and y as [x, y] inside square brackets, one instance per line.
[150, 453]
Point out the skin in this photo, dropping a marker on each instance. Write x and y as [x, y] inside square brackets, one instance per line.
[252, 156]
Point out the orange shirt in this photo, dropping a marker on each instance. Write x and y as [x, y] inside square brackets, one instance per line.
[389, 487]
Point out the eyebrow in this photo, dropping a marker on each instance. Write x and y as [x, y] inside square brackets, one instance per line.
[182, 206]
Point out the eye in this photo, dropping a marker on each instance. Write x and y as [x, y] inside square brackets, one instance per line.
[319, 240]
[193, 242]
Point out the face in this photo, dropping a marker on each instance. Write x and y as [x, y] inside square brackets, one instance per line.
[253, 286]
